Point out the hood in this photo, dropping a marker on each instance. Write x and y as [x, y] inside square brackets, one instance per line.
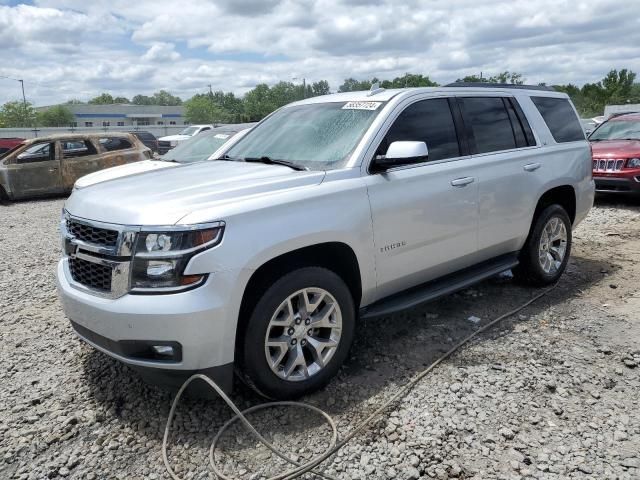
[173, 138]
[121, 171]
[163, 197]
[616, 148]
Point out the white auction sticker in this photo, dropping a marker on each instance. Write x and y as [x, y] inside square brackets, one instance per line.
[361, 105]
[220, 135]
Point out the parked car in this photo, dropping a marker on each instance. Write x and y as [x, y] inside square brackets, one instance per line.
[147, 138]
[7, 144]
[616, 154]
[167, 143]
[51, 165]
[334, 207]
[207, 146]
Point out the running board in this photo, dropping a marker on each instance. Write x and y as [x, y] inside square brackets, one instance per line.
[440, 287]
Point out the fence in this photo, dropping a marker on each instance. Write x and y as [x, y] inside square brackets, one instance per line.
[157, 130]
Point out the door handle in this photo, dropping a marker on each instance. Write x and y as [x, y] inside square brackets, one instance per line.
[532, 167]
[462, 182]
[53, 169]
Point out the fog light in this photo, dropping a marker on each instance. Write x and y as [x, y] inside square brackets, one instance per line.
[163, 350]
[159, 268]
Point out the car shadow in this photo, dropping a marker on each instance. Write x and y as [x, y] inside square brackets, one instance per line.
[629, 202]
[387, 352]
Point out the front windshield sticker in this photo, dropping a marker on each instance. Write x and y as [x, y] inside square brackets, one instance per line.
[221, 135]
[361, 105]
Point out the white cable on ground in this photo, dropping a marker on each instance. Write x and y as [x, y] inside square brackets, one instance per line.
[334, 445]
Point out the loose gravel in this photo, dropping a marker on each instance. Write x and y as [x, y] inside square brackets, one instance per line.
[550, 393]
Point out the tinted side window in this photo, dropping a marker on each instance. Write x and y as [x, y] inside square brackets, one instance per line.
[115, 143]
[489, 122]
[429, 121]
[560, 118]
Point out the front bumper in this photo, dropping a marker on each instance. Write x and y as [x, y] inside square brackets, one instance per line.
[628, 185]
[199, 321]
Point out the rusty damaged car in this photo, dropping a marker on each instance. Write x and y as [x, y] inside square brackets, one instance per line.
[50, 165]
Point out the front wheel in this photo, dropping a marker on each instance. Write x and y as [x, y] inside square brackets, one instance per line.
[299, 333]
[544, 256]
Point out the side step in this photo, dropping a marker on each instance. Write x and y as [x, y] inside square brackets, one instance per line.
[446, 285]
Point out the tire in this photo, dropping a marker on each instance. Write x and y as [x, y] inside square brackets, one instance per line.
[278, 333]
[535, 267]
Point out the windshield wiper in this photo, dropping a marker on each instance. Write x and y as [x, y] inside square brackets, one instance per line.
[274, 161]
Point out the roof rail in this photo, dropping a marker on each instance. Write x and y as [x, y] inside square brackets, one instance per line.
[501, 85]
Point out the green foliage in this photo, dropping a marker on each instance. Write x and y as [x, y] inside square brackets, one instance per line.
[14, 114]
[165, 98]
[201, 108]
[102, 99]
[57, 116]
[409, 80]
[615, 88]
[512, 78]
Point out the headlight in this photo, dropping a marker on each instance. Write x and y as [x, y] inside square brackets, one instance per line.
[173, 143]
[162, 255]
[633, 163]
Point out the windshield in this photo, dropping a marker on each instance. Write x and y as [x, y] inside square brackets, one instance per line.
[317, 136]
[617, 130]
[189, 131]
[198, 148]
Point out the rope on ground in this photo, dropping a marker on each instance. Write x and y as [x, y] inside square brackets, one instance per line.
[334, 444]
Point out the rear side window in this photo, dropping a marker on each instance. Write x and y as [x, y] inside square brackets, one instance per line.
[429, 121]
[115, 143]
[560, 118]
[489, 122]
[77, 148]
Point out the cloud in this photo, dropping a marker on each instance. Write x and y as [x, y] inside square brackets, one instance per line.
[66, 48]
[161, 52]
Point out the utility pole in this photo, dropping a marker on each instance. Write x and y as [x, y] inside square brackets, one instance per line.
[24, 103]
[304, 88]
[213, 106]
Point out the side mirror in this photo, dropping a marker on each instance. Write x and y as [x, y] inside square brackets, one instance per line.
[402, 153]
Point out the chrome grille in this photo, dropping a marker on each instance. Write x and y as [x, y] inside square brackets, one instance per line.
[95, 235]
[608, 164]
[92, 275]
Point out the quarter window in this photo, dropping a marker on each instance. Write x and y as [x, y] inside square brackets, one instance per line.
[115, 143]
[489, 122]
[429, 121]
[560, 118]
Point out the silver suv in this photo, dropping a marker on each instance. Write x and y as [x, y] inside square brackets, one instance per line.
[333, 208]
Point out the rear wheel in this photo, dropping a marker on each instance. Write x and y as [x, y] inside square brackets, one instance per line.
[299, 333]
[544, 256]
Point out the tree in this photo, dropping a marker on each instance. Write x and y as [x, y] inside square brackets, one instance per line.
[165, 98]
[230, 104]
[57, 116]
[257, 102]
[102, 99]
[121, 100]
[202, 109]
[74, 101]
[141, 100]
[353, 85]
[319, 88]
[513, 78]
[15, 114]
[409, 80]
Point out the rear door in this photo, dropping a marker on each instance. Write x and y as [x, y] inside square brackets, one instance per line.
[507, 159]
[35, 171]
[425, 215]
[80, 156]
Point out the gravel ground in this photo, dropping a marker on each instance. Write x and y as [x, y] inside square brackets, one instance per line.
[549, 393]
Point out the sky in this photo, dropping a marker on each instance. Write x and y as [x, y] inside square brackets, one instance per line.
[68, 49]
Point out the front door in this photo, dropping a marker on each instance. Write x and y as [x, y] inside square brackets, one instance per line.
[425, 216]
[35, 171]
[79, 157]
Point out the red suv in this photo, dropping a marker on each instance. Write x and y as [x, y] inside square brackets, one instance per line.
[616, 154]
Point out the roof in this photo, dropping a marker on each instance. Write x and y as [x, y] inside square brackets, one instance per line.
[384, 95]
[635, 116]
[58, 136]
